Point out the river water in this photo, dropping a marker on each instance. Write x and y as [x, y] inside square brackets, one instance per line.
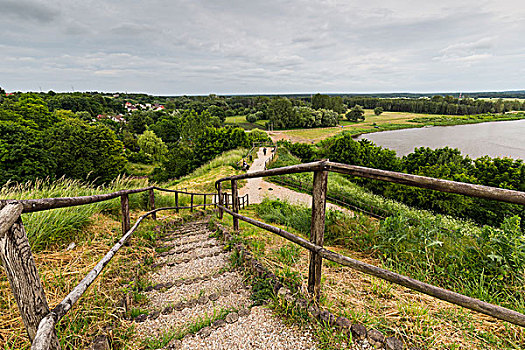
[495, 139]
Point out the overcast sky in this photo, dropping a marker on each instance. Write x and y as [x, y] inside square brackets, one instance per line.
[252, 46]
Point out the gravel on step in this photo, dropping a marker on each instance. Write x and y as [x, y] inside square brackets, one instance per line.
[206, 266]
[154, 327]
[259, 330]
[175, 294]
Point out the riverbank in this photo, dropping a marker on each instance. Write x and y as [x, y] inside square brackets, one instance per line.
[385, 122]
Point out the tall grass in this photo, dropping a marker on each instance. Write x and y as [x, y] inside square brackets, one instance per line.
[61, 226]
[484, 262]
[230, 158]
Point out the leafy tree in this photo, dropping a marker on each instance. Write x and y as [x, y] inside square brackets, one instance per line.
[378, 110]
[83, 151]
[29, 110]
[355, 114]
[152, 145]
[251, 118]
[139, 121]
[168, 128]
[23, 154]
[280, 112]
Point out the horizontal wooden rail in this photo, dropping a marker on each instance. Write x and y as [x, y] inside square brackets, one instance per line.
[479, 191]
[431, 183]
[437, 292]
[183, 192]
[34, 205]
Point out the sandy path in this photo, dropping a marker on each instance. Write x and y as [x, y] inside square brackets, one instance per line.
[258, 189]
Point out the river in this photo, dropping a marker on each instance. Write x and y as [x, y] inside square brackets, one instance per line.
[495, 139]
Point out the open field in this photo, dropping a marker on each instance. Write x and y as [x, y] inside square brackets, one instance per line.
[240, 120]
[386, 120]
[383, 122]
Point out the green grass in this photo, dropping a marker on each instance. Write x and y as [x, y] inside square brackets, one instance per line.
[240, 120]
[139, 169]
[483, 262]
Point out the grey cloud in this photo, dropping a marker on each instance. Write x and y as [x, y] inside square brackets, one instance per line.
[28, 10]
[202, 46]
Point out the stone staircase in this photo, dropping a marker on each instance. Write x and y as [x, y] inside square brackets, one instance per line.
[196, 292]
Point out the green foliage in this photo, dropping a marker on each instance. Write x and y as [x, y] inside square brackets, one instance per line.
[152, 145]
[283, 115]
[83, 151]
[29, 110]
[23, 154]
[356, 114]
[201, 142]
[326, 102]
[378, 110]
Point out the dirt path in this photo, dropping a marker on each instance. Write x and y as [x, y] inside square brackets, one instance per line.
[258, 189]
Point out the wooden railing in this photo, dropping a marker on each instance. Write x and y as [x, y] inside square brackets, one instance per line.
[315, 244]
[22, 272]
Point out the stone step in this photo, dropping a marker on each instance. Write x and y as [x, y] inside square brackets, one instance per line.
[204, 266]
[181, 290]
[168, 316]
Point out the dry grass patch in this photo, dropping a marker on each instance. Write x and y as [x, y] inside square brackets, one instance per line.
[98, 311]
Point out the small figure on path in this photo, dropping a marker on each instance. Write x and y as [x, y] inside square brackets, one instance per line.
[264, 150]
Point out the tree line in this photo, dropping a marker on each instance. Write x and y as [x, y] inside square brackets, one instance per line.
[447, 105]
[444, 163]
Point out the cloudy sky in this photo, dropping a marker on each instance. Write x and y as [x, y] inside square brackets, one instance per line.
[253, 46]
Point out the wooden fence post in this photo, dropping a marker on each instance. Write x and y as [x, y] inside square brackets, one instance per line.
[124, 203]
[219, 197]
[235, 204]
[226, 200]
[204, 201]
[21, 271]
[317, 231]
[152, 203]
[247, 199]
[177, 201]
[191, 203]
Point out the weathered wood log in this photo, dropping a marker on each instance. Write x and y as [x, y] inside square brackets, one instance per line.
[152, 203]
[235, 204]
[220, 197]
[124, 204]
[34, 205]
[181, 192]
[292, 169]
[22, 273]
[425, 288]
[317, 231]
[471, 190]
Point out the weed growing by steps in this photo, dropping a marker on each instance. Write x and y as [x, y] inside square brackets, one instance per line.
[192, 328]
